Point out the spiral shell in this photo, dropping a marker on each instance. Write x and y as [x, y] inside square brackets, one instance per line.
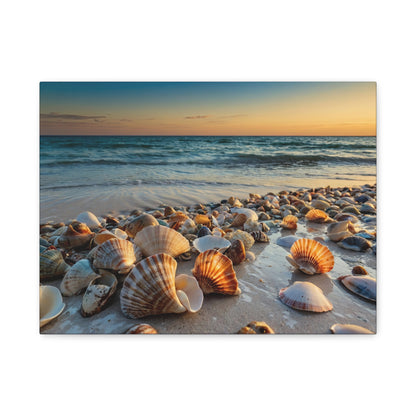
[115, 254]
[305, 296]
[236, 252]
[141, 329]
[77, 278]
[215, 273]
[289, 222]
[52, 264]
[160, 239]
[139, 223]
[316, 215]
[77, 234]
[311, 257]
[149, 289]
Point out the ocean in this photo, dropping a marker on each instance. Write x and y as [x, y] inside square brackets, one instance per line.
[115, 174]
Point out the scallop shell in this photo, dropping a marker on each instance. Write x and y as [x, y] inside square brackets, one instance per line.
[141, 329]
[256, 327]
[316, 215]
[305, 296]
[76, 234]
[362, 285]
[236, 252]
[52, 264]
[311, 257]
[245, 238]
[89, 219]
[115, 254]
[210, 242]
[289, 222]
[189, 292]
[77, 278]
[160, 239]
[349, 329]
[149, 289]
[215, 273]
[98, 293]
[139, 223]
[50, 304]
[260, 237]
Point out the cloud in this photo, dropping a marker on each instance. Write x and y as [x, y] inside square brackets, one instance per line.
[195, 117]
[70, 116]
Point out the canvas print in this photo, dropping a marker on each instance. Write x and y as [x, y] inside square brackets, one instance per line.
[208, 208]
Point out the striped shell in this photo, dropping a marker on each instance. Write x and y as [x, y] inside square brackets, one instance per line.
[245, 238]
[260, 237]
[76, 234]
[316, 215]
[52, 264]
[289, 222]
[349, 329]
[141, 329]
[305, 296]
[215, 273]
[149, 289]
[236, 252]
[160, 239]
[115, 254]
[77, 278]
[239, 220]
[50, 304]
[139, 223]
[362, 285]
[311, 257]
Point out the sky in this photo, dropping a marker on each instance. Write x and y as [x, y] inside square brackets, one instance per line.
[208, 108]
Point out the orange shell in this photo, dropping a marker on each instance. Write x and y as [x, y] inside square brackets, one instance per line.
[289, 222]
[140, 222]
[202, 219]
[316, 215]
[311, 257]
[215, 273]
[141, 329]
[236, 252]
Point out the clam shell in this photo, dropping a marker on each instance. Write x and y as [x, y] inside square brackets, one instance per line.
[339, 230]
[77, 234]
[320, 204]
[189, 292]
[77, 278]
[141, 329]
[139, 223]
[160, 239]
[210, 242]
[236, 252]
[215, 273]
[249, 213]
[305, 296]
[149, 289]
[188, 227]
[316, 215]
[256, 327]
[52, 264]
[311, 257]
[89, 219]
[204, 231]
[115, 254]
[349, 329]
[50, 304]
[98, 293]
[362, 285]
[289, 222]
[355, 243]
[244, 236]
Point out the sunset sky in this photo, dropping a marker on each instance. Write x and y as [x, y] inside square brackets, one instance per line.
[208, 108]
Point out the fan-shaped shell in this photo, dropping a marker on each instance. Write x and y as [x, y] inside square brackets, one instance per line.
[311, 257]
[362, 285]
[77, 278]
[210, 242]
[236, 252]
[115, 254]
[89, 219]
[305, 296]
[77, 234]
[244, 236]
[349, 329]
[149, 289]
[98, 293]
[316, 215]
[189, 292]
[215, 273]
[141, 329]
[139, 223]
[256, 327]
[289, 222]
[50, 304]
[160, 239]
[52, 264]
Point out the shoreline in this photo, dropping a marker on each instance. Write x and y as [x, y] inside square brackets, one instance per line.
[260, 282]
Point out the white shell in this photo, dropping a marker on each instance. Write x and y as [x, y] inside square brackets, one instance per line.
[120, 233]
[349, 329]
[89, 219]
[210, 242]
[189, 292]
[249, 213]
[287, 241]
[77, 278]
[188, 227]
[115, 254]
[51, 304]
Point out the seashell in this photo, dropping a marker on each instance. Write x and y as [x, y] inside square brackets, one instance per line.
[289, 222]
[169, 211]
[339, 230]
[252, 226]
[364, 286]
[103, 236]
[149, 289]
[250, 256]
[141, 329]
[245, 237]
[50, 304]
[355, 243]
[139, 223]
[264, 217]
[204, 231]
[202, 219]
[260, 237]
[359, 270]
[305, 296]
[256, 327]
[189, 292]
[351, 209]
[77, 278]
[239, 220]
[76, 234]
[316, 215]
[264, 227]
[311, 257]
[236, 252]
[287, 241]
[160, 239]
[98, 293]
[215, 273]
[249, 213]
[52, 264]
[115, 254]
[111, 221]
[342, 216]
[210, 242]
[320, 204]
[89, 219]
[120, 233]
[188, 227]
[349, 329]
[368, 209]
[185, 256]
[177, 219]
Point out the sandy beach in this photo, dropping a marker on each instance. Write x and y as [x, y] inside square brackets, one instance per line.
[260, 281]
